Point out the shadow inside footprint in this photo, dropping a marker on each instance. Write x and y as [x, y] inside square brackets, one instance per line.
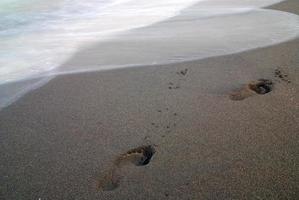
[261, 87]
[140, 156]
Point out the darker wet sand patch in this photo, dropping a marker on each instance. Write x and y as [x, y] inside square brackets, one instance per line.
[139, 156]
[259, 87]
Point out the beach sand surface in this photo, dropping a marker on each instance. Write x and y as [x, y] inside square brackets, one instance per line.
[61, 140]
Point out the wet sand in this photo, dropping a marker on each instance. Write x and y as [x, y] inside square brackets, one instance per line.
[61, 141]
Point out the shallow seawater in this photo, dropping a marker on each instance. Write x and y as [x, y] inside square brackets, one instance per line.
[36, 36]
[40, 39]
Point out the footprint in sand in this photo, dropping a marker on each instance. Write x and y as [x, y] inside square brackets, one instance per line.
[260, 87]
[278, 73]
[182, 75]
[183, 72]
[139, 156]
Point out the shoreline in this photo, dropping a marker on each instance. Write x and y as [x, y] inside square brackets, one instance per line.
[59, 140]
[91, 59]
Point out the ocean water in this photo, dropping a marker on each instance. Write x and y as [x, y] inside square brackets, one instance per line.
[40, 39]
[36, 36]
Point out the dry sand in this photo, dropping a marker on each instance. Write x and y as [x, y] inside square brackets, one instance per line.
[60, 141]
